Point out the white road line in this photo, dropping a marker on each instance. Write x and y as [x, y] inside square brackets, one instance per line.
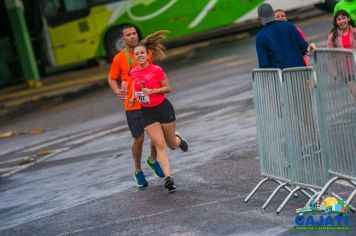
[22, 167]
[97, 135]
[64, 139]
[44, 144]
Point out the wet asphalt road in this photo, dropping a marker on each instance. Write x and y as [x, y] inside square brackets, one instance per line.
[84, 184]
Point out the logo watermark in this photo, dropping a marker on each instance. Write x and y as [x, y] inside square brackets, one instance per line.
[327, 214]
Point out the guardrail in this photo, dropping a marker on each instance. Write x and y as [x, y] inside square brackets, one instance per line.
[306, 125]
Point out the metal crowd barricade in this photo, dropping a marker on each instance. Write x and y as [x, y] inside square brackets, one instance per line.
[272, 134]
[336, 102]
[309, 170]
[306, 125]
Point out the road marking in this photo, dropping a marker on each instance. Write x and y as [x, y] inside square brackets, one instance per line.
[96, 135]
[16, 169]
[36, 146]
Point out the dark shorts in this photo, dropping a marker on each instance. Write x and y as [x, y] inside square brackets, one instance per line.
[134, 122]
[163, 113]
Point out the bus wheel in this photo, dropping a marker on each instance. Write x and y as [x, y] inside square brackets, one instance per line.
[113, 43]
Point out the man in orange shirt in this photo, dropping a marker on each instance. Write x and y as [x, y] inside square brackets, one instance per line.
[121, 65]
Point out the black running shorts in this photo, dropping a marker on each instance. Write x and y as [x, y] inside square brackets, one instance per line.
[163, 113]
[134, 122]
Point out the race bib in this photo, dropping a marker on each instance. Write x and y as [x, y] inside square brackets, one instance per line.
[143, 99]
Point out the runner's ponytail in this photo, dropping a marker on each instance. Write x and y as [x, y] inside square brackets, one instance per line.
[155, 42]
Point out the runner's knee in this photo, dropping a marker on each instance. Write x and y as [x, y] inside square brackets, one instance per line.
[139, 140]
[160, 144]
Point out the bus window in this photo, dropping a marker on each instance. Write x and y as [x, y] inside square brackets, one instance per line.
[61, 11]
[98, 2]
[75, 5]
[71, 31]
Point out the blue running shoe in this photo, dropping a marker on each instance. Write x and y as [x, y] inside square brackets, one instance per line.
[140, 179]
[155, 168]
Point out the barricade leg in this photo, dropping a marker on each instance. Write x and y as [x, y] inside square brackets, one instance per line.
[352, 208]
[287, 199]
[352, 195]
[311, 199]
[296, 189]
[256, 188]
[281, 185]
[326, 186]
[276, 190]
[261, 183]
[331, 181]
[335, 195]
[303, 191]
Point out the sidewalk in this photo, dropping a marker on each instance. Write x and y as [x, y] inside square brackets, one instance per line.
[20, 98]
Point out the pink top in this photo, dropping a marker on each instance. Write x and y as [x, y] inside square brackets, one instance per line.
[149, 77]
[346, 40]
[301, 33]
[339, 41]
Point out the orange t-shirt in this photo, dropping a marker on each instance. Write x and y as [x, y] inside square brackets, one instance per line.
[120, 67]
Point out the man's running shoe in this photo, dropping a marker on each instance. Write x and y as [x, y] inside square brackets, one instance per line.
[169, 184]
[155, 168]
[140, 179]
[183, 144]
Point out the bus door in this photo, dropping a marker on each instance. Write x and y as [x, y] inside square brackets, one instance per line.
[71, 34]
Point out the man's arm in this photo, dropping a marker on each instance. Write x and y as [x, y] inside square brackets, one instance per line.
[262, 55]
[120, 93]
[114, 86]
[114, 74]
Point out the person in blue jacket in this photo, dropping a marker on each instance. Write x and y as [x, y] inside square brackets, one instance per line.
[278, 43]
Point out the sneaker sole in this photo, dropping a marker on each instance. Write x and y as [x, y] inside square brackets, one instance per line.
[172, 191]
[141, 185]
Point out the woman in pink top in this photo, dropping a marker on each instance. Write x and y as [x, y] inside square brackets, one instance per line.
[158, 115]
[343, 35]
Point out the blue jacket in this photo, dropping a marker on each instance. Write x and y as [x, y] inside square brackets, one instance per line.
[279, 45]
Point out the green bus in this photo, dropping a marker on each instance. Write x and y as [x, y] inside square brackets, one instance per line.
[74, 31]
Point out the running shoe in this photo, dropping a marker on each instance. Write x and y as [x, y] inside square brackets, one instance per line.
[183, 144]
[169, 184]
[155, 168]
[140, 179]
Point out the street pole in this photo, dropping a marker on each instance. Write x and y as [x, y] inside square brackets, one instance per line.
[23, 44]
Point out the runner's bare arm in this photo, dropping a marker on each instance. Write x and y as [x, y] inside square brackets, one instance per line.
[165, 88]
[115, 88]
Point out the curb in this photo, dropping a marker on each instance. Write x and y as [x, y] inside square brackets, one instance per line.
[15, 108]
